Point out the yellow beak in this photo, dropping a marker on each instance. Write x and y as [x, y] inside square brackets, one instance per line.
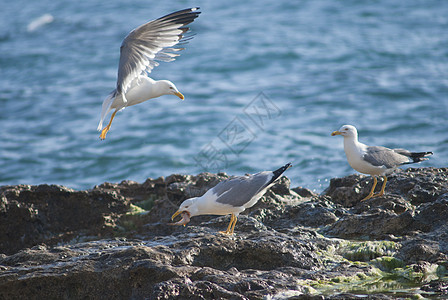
[179, 94]
[336, 133]
[176, 214]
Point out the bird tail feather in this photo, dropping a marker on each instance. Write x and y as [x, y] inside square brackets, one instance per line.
[418, 156]
[279, 172]
[106, 108]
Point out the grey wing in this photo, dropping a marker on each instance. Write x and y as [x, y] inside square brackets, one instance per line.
[242, 189]
[150, 42]
[403, 152]
[382, 156]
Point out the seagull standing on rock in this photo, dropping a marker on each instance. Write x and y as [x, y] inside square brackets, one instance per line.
[231, 196]
[139, 53]
[375, 160]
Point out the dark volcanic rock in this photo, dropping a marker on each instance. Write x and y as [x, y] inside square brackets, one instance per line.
[377, 224]
[30, 215]
[216, 264]
[304, 192]
[348, 191]
[437, 287]
[411, 204]
[415, 251]
[415, 185]
[312, 214]
[113, 242]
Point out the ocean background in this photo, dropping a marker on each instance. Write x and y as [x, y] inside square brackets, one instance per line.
[265, 83]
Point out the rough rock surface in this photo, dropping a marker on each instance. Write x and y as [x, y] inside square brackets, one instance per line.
[113, 242]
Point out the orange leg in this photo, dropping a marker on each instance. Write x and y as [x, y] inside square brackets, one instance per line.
[382, 188]
[231, 226]
[370, 195]
[106, 129]
[234, 223]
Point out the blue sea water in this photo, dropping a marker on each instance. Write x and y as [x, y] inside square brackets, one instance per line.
[265, 82]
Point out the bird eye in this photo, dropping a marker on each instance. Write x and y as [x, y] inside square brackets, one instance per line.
[171, 87]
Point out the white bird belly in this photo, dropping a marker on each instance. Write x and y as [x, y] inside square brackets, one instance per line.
[355, 154]
[364, 167]
[140, 91]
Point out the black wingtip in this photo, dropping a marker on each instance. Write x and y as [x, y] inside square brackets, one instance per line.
[279, 172]
[283, 169]
[420, 156]
[184, 16]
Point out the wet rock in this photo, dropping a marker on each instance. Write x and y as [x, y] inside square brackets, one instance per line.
[343, 296]
[244, 223]
[438, 287]
[399, 212]
[312, 214]
[433, 214]
[281, 187]
[347, 190]
[304, 192]
[379, 224]
[419, 185]
[185, 289]
[416, 185]
[114, 242]
[263, 251]
[31, 215]
[202, 265]
[415, 251]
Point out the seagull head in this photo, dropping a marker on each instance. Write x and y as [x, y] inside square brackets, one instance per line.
[188, 207]
[166, 87]
[346, 131]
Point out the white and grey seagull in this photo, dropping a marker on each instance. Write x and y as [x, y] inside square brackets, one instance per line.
[375, 160]
[139, 52]
[231, 196]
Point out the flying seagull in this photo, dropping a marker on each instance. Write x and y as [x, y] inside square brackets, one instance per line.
[139, 53]
[375, 160]
[231, 196]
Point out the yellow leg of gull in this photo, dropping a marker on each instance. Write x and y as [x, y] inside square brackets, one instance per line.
[234, 223]
[230, 227]
[382, 188]
[373, 189]
[106, 129]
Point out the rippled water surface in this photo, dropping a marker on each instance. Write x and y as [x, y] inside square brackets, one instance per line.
[265, 82]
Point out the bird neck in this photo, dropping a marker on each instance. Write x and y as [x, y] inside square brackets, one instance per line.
[351, 144]
[159, 88]
[194, 208]
[203, 206]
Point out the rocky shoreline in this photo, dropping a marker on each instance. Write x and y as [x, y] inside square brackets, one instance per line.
[113, 241]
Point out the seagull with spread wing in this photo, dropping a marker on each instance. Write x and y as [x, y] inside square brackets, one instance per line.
[139, 53]
[375, 160]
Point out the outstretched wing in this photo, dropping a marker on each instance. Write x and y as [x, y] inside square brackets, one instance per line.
[150, 42]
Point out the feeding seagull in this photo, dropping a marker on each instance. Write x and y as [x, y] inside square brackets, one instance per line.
[139, 53]
[231, 196]
[375, 160]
